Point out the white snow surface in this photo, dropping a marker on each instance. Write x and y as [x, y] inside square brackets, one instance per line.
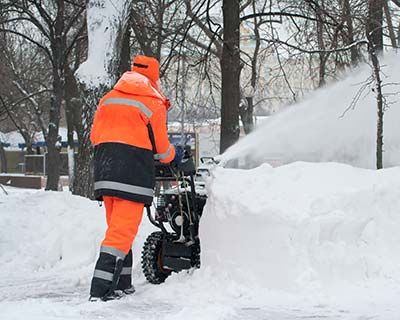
[305, 240]
[319, 129]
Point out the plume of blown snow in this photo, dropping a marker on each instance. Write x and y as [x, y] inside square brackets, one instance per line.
[328, 126]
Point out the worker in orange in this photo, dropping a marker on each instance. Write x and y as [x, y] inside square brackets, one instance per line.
[129, 132]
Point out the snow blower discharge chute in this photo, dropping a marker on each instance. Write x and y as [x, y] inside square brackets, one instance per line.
[178, 209]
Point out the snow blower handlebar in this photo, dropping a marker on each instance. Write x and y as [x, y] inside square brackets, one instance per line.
[169, 172]
[182, 174]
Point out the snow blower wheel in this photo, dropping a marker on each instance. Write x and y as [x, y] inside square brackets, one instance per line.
[152, 259]
[177, 214]
[161, 255]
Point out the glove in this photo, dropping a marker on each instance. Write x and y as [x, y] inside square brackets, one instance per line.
[179, 153]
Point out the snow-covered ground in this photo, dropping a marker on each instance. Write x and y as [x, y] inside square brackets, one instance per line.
[302, 241]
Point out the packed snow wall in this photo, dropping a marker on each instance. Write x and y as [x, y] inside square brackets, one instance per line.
[304, 227]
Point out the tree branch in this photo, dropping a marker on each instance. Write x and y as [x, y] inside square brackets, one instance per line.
[284, 14]
[208, 32]
[74, 19]
[43, 13]
[73, 41]
[45, 49]
[346, 48]
[203, 46]
[35, 106]
[31, 18]
[396, 2]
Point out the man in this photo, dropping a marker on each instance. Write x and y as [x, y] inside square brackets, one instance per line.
[129, 132]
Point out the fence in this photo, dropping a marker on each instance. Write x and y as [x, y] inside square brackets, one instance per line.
[38, 164]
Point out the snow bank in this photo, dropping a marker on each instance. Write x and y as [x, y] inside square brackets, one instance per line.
[49, 231]
[310, 228]
[314, 130]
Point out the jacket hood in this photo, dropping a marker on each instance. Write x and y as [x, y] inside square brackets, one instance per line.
[135, 83]
[147, 66]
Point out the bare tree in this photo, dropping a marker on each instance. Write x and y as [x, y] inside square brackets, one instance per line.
[24, 70]
[230, 72]
[380, 104]
[56, 25]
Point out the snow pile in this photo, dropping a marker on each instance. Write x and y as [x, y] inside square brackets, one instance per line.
[49, 244]
[319, 129]
[303, 227]
[49, 231]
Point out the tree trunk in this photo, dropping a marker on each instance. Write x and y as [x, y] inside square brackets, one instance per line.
[246, 111]
[3, 159]
[347, 17]
[374, 25]
[72, 111]
[321, 46]
[398, 35]
[160, 26]
[52, 141]
[29, 148]
[83, 182]
[230, 69]
[125, 55]
[389, 23]
[246, 115]
[380, 110]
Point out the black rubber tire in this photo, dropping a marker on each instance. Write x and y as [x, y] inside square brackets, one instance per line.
[151, 259]
[195, 258]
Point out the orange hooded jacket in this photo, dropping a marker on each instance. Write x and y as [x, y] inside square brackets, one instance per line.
[130, 124]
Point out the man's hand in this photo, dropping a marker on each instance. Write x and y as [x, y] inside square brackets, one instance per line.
[179, 154]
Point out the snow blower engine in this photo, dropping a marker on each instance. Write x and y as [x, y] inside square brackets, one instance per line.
[177, 213]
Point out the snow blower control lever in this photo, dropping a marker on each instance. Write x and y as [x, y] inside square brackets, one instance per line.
[177, 213]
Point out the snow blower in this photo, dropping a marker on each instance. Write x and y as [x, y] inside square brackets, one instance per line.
[177, 214]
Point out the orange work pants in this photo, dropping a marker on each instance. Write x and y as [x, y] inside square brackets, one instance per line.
[123, 220]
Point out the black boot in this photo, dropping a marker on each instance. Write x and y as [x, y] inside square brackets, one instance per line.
[125, 280]
[106, 274]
